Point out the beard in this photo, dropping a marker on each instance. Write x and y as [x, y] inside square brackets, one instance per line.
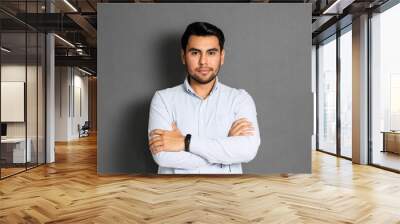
[198, 78]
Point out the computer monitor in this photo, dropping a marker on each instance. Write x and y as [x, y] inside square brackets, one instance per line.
[3, 129]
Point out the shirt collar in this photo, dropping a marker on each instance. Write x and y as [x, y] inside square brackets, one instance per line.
[189, 89]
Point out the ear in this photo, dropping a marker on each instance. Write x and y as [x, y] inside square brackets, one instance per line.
[183, 56]
[222, 56]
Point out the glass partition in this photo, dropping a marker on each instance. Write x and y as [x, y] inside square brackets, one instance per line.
[41, 107]
[22, 78]
[13, 113]
[327, 95]
[31, 99]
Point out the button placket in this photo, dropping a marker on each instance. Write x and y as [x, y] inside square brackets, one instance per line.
[202, 113]
[200, 117]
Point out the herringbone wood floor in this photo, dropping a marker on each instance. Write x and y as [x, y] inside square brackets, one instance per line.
[70, 191]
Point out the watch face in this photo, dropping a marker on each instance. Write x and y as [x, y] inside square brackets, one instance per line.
[187, 142]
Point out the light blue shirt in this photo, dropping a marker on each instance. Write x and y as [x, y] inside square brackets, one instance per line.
[208, 121]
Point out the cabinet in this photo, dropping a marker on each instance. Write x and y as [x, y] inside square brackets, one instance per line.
[13, 150]
[391, 141]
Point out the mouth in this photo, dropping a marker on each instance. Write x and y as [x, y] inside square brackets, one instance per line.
[204, 70]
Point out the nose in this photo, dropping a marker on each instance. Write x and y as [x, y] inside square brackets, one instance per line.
[203, 59]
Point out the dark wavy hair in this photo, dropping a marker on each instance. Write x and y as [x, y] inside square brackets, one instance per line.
[202, 29]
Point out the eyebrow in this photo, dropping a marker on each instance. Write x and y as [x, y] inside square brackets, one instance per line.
[195, 49]
[213, 49]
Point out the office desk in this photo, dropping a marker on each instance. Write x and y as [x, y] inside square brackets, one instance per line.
[391, 141]
[13, 150]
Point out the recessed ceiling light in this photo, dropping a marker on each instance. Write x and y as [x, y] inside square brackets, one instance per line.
[86, 72]
[70, 5]
[337, 6]
[64, 40]
[5, 50]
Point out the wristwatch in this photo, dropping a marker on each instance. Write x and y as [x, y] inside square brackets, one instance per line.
[187, 142]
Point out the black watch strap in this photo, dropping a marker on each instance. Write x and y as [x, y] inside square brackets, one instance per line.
[187, 142]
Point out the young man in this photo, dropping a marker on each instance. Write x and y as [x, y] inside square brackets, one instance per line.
[202, 126]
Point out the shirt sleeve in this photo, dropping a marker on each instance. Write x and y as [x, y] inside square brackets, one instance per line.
[235, 149]
[160, 118]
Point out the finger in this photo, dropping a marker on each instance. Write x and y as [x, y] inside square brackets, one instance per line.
[156, 143]
[159, 148]
[246, 128]
[240, 133]
[154, 151]
[237, 132]
[174, 127]
[151, 141]
[158, 140]
[236, 123]
[247, 133]
[241, 126]
[155, 138]
[244, 125]
[157, 132]
[152, 132]
[238, 126]
[239, 120]
[156, 148]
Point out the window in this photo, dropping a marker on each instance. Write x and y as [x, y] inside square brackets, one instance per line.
[346, 92]
[385, 88]
[327, 95]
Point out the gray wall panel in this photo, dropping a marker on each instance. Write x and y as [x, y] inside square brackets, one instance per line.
[268, 53]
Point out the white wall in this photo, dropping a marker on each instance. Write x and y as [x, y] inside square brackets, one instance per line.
[79, 112]
[16, 73]
[71, 93]
[61, 103]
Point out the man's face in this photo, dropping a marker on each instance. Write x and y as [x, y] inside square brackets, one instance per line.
[203, 58]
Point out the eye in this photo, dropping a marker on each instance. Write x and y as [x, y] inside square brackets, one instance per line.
[212, 53]
[194, 53]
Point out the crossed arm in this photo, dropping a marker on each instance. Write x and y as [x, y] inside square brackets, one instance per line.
[166, 142]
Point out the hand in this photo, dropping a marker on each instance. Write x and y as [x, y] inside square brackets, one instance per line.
[241, 127]
[168, 141]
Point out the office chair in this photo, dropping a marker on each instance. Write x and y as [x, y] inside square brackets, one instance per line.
[84, 130]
